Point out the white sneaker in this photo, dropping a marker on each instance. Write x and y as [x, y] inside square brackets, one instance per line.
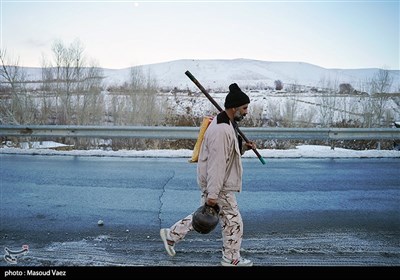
[168, 244]
[239, 262]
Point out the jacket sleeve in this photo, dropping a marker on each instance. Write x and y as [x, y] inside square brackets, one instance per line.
[241, 146]
[220, 147]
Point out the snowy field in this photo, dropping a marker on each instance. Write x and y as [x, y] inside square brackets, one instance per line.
[300, 108]
[303, 151]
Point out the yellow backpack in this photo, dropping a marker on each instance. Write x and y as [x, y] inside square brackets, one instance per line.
[204, 125]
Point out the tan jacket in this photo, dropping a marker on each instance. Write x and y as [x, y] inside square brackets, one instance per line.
[219, 167]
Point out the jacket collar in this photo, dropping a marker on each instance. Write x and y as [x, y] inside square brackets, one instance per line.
[223, 118]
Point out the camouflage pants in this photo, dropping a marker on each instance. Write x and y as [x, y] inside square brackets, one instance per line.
[229, 219]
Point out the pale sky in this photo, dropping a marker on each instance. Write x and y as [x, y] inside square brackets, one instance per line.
[120, 34]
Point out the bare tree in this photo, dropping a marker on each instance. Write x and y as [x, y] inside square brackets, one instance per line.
[143, 106]
[255, 116]
[58, 53]
[327, 109]
[16, 106]
[380, 86]
[328, 103]
[289, 112]
[75, 84]
[307, 117]
[381, 82]
[90, 101]
[273, 114]
[47, 97]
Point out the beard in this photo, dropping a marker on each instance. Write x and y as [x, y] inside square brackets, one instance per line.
[238, 117]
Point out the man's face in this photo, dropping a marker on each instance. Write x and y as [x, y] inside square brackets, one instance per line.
[241, 112]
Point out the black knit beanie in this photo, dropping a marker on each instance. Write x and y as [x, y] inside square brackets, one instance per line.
[236, 97]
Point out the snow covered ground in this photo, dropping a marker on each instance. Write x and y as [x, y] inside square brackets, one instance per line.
[303, 151]
[309, 95]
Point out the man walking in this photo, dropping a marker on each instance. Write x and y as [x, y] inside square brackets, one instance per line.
[219, 176]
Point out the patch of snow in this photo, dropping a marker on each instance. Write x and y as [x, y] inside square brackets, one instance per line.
[303, 151]
[42, 145]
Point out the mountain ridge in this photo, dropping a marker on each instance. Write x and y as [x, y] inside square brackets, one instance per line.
[249, 73]
[219, 73]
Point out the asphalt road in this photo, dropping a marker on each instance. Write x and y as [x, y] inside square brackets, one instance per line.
[296, 212]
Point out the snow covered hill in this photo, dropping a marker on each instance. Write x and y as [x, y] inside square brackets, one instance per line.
[218, 74]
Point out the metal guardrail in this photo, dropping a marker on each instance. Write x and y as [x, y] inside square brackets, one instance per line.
[184, 132]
